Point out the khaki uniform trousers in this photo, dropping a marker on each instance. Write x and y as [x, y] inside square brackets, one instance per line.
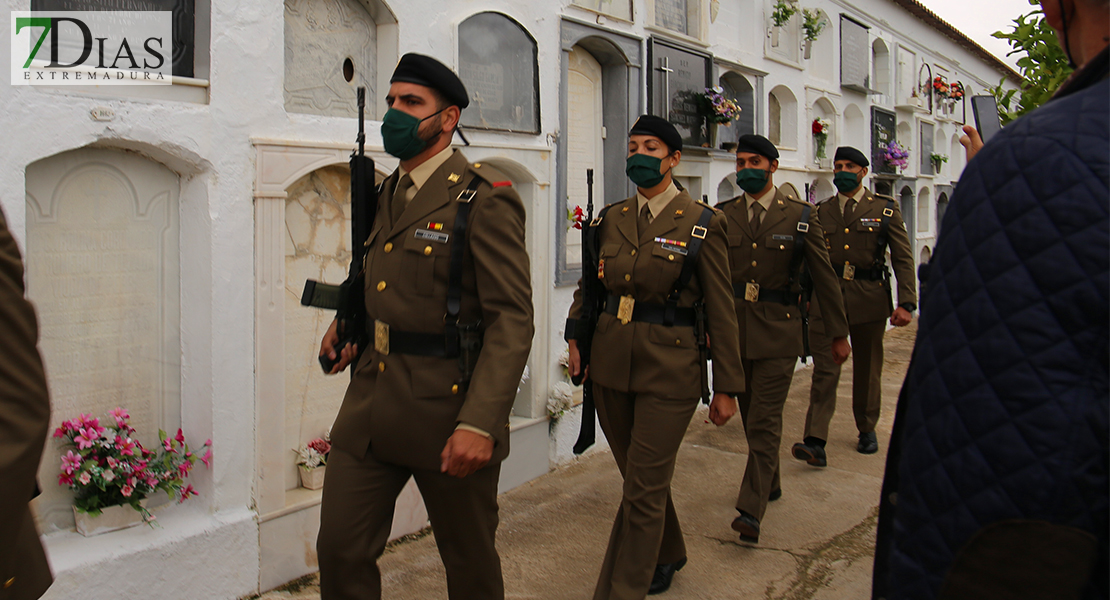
[645, 433]
[359, 497]
[867, 379]
[768, 383]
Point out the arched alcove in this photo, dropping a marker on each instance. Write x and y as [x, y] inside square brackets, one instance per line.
[782, 117]
[906, 202]
[942, 207]
[727, 189]
[739, 88]
[823, 51]
[923, 210]
[926, 255]
[821, 188]
[940, 147]
[856, 131]
[823, 109]
[880, 67]
[498, 65]
[956, 157]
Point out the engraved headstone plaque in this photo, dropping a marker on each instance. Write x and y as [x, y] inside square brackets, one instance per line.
[854, 54]
[102, 270]
[497, 63]
[678, 77]
[320, 37]
[671, 14]
[183, 41]
[883, 127]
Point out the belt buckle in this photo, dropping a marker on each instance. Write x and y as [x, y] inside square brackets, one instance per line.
[381, 337]
[624, 310]
[849, 272]
[751, 292]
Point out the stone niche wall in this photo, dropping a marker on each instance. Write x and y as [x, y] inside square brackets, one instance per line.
[317, 246]
[320, 37]
[102, 270]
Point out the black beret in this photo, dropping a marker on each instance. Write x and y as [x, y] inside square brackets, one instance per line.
[660, 128]
[850, 153]
[429, 72]
[757, 144]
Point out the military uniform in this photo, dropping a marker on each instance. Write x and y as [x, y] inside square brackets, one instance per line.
[852, 244]
[646, 375]
[770, 324]
[401, 408]
[24, 425]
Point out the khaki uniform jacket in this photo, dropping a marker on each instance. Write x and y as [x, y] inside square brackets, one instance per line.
[655, 359]
[854, 243]
[770, 329]
[24, 425]
[403, 407]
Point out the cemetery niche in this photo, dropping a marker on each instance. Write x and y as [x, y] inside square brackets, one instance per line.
[497, 63]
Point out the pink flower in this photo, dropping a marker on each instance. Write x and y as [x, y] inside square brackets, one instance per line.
[85, 438]
[60, 432]
[126, 446]
[207, 458]
[180, 437]
[168, 445]
[185, 493]
[152, 481]
[85, 478]
[112, 463]
[320, 446]
[108, 475]
[71, 462]
[183, 469]
[126, 491]
[65, 479]
[120, 414]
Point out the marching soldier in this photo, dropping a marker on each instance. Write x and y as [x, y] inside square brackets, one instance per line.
[24, 425]
[771, 235]
[859, 228]
[662, 268]
[431, 398]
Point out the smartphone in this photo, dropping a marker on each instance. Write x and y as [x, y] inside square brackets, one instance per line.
[985, 109]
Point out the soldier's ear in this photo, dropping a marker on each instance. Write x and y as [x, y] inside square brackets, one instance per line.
[451, 116]
[774, 166]
[862, 174]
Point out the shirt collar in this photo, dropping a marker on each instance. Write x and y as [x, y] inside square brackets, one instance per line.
[858, 197]
[658, 203]
[423, 172]
[764, 201]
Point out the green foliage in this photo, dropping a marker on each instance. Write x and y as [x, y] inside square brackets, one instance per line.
[1044, 65]
[782, 12]
[813, 24]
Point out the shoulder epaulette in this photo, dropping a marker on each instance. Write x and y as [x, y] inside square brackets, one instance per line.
[491, 175]
[724, 202]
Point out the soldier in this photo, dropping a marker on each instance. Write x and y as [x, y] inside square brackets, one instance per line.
[24, 425]
[445, 229]
[661, 253]
[858, 229]
[771, 235]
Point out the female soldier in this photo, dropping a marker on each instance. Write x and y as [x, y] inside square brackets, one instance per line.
[645, 369]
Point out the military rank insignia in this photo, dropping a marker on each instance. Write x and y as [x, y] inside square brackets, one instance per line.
[672, 245]
[435, 226]
[601, 268]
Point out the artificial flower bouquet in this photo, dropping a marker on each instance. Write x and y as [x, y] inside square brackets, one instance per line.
[718, 108]
[895, 155]
[820, 129]
[575, 218]
[314, 453]
[106, 466]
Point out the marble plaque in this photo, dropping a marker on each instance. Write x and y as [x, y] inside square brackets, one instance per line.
[318, 223]
[320, 36]
[102, 270]
[671, 14]
[855, 51]
[882, 132]
[497, 63]
[925, 155]
[183, 18]
[678, 77]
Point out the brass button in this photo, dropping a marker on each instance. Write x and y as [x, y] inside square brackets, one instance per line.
[455, 389]
[628, 277]
[670, 257]
[388, 247]
[381, 367]
[782, 247]
[678, 342]
[477, 165]
[870, 229]
[755, 264]
[633, 253]
[427, 250]
[9, 583]
[845, 246]
[755, 245]
[845, 230]
[381, 285]
[787, 315]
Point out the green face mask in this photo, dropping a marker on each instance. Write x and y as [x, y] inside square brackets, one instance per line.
[401, 134]
[751, 180]
[643, 170]
[845, 181]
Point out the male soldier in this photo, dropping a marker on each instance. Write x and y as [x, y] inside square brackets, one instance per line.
[858, 229]
[24, 424]
[445, 229]
[770, 235]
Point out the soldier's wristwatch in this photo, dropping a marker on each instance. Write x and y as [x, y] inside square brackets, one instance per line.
[909, 306]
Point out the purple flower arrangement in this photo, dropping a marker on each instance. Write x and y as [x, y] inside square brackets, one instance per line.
[895, 155]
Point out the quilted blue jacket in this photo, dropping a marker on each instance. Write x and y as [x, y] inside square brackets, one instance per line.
[1004, 411]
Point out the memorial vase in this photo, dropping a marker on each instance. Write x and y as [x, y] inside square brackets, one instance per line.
[313, 479]
[111, 518]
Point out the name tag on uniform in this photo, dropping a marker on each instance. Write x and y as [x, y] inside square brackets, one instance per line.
[672, 245]
[849, 272]
[624, 310]
[751, 292]
[432, 236]
[782, 238]
[381, 337]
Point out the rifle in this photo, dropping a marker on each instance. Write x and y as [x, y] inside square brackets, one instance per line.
[803, 306]
[587, 322]
[348, 298]
[701, 336]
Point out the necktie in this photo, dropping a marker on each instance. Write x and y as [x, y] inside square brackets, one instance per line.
[400, 201]
[644, 220]
[849, 208]
[757, 212]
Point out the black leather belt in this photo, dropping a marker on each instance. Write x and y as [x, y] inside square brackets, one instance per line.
[871, 274]
[420, 344]
[780, 296]
[652, 313]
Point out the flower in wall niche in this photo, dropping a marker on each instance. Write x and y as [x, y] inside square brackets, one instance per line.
[895, 155]
[820, 129]
[560, 399]
[719, 108]
[107, 466]
[314, 453]
[575, 218]
[782, 11]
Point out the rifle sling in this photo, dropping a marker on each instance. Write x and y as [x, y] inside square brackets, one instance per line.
[688, 267]
[455, 273]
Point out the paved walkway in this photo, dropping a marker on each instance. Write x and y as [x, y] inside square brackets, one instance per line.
[817, 541]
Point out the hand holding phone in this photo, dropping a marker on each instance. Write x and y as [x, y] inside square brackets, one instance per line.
[985, 109]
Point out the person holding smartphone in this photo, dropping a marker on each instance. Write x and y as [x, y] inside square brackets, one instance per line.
[998, 472]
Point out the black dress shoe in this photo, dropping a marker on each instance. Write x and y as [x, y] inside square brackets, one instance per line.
[661, 580]
[747, 526]
[868, 443]
[774, 495]
[811, 453]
